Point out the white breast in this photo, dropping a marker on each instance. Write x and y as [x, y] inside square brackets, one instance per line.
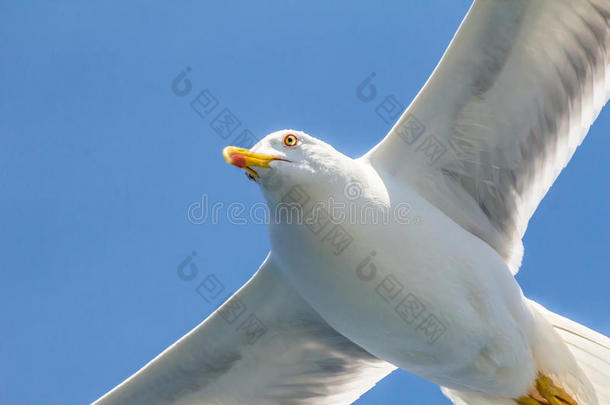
[440, 304]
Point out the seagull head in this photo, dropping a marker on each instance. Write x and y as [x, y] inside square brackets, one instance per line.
[287, 153]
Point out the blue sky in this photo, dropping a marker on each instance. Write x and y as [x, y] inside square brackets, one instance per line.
[99, 160]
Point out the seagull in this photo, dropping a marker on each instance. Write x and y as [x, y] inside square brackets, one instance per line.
[405, 257]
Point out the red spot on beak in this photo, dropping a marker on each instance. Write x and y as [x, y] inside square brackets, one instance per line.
[238, 160]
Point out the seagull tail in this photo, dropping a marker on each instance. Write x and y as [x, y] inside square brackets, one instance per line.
[590, 349]
[577, 358]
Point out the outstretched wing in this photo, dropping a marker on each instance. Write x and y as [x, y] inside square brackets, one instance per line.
[503, 112]
[265, 345]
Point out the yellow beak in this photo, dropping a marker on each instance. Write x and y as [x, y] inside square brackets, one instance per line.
[245, 159]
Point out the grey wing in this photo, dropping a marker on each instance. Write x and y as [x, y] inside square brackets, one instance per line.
[265, 345]
[502, 114]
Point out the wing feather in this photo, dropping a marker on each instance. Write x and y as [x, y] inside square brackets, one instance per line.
[503, 112]
[265, 345]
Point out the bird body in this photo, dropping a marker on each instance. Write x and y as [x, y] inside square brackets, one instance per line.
[474, 299]
[458, 318]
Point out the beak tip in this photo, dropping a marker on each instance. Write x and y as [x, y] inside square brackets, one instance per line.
[226, 154]
[233, 157]
[246, 159]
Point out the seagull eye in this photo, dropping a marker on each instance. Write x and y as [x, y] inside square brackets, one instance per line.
[290, 140]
